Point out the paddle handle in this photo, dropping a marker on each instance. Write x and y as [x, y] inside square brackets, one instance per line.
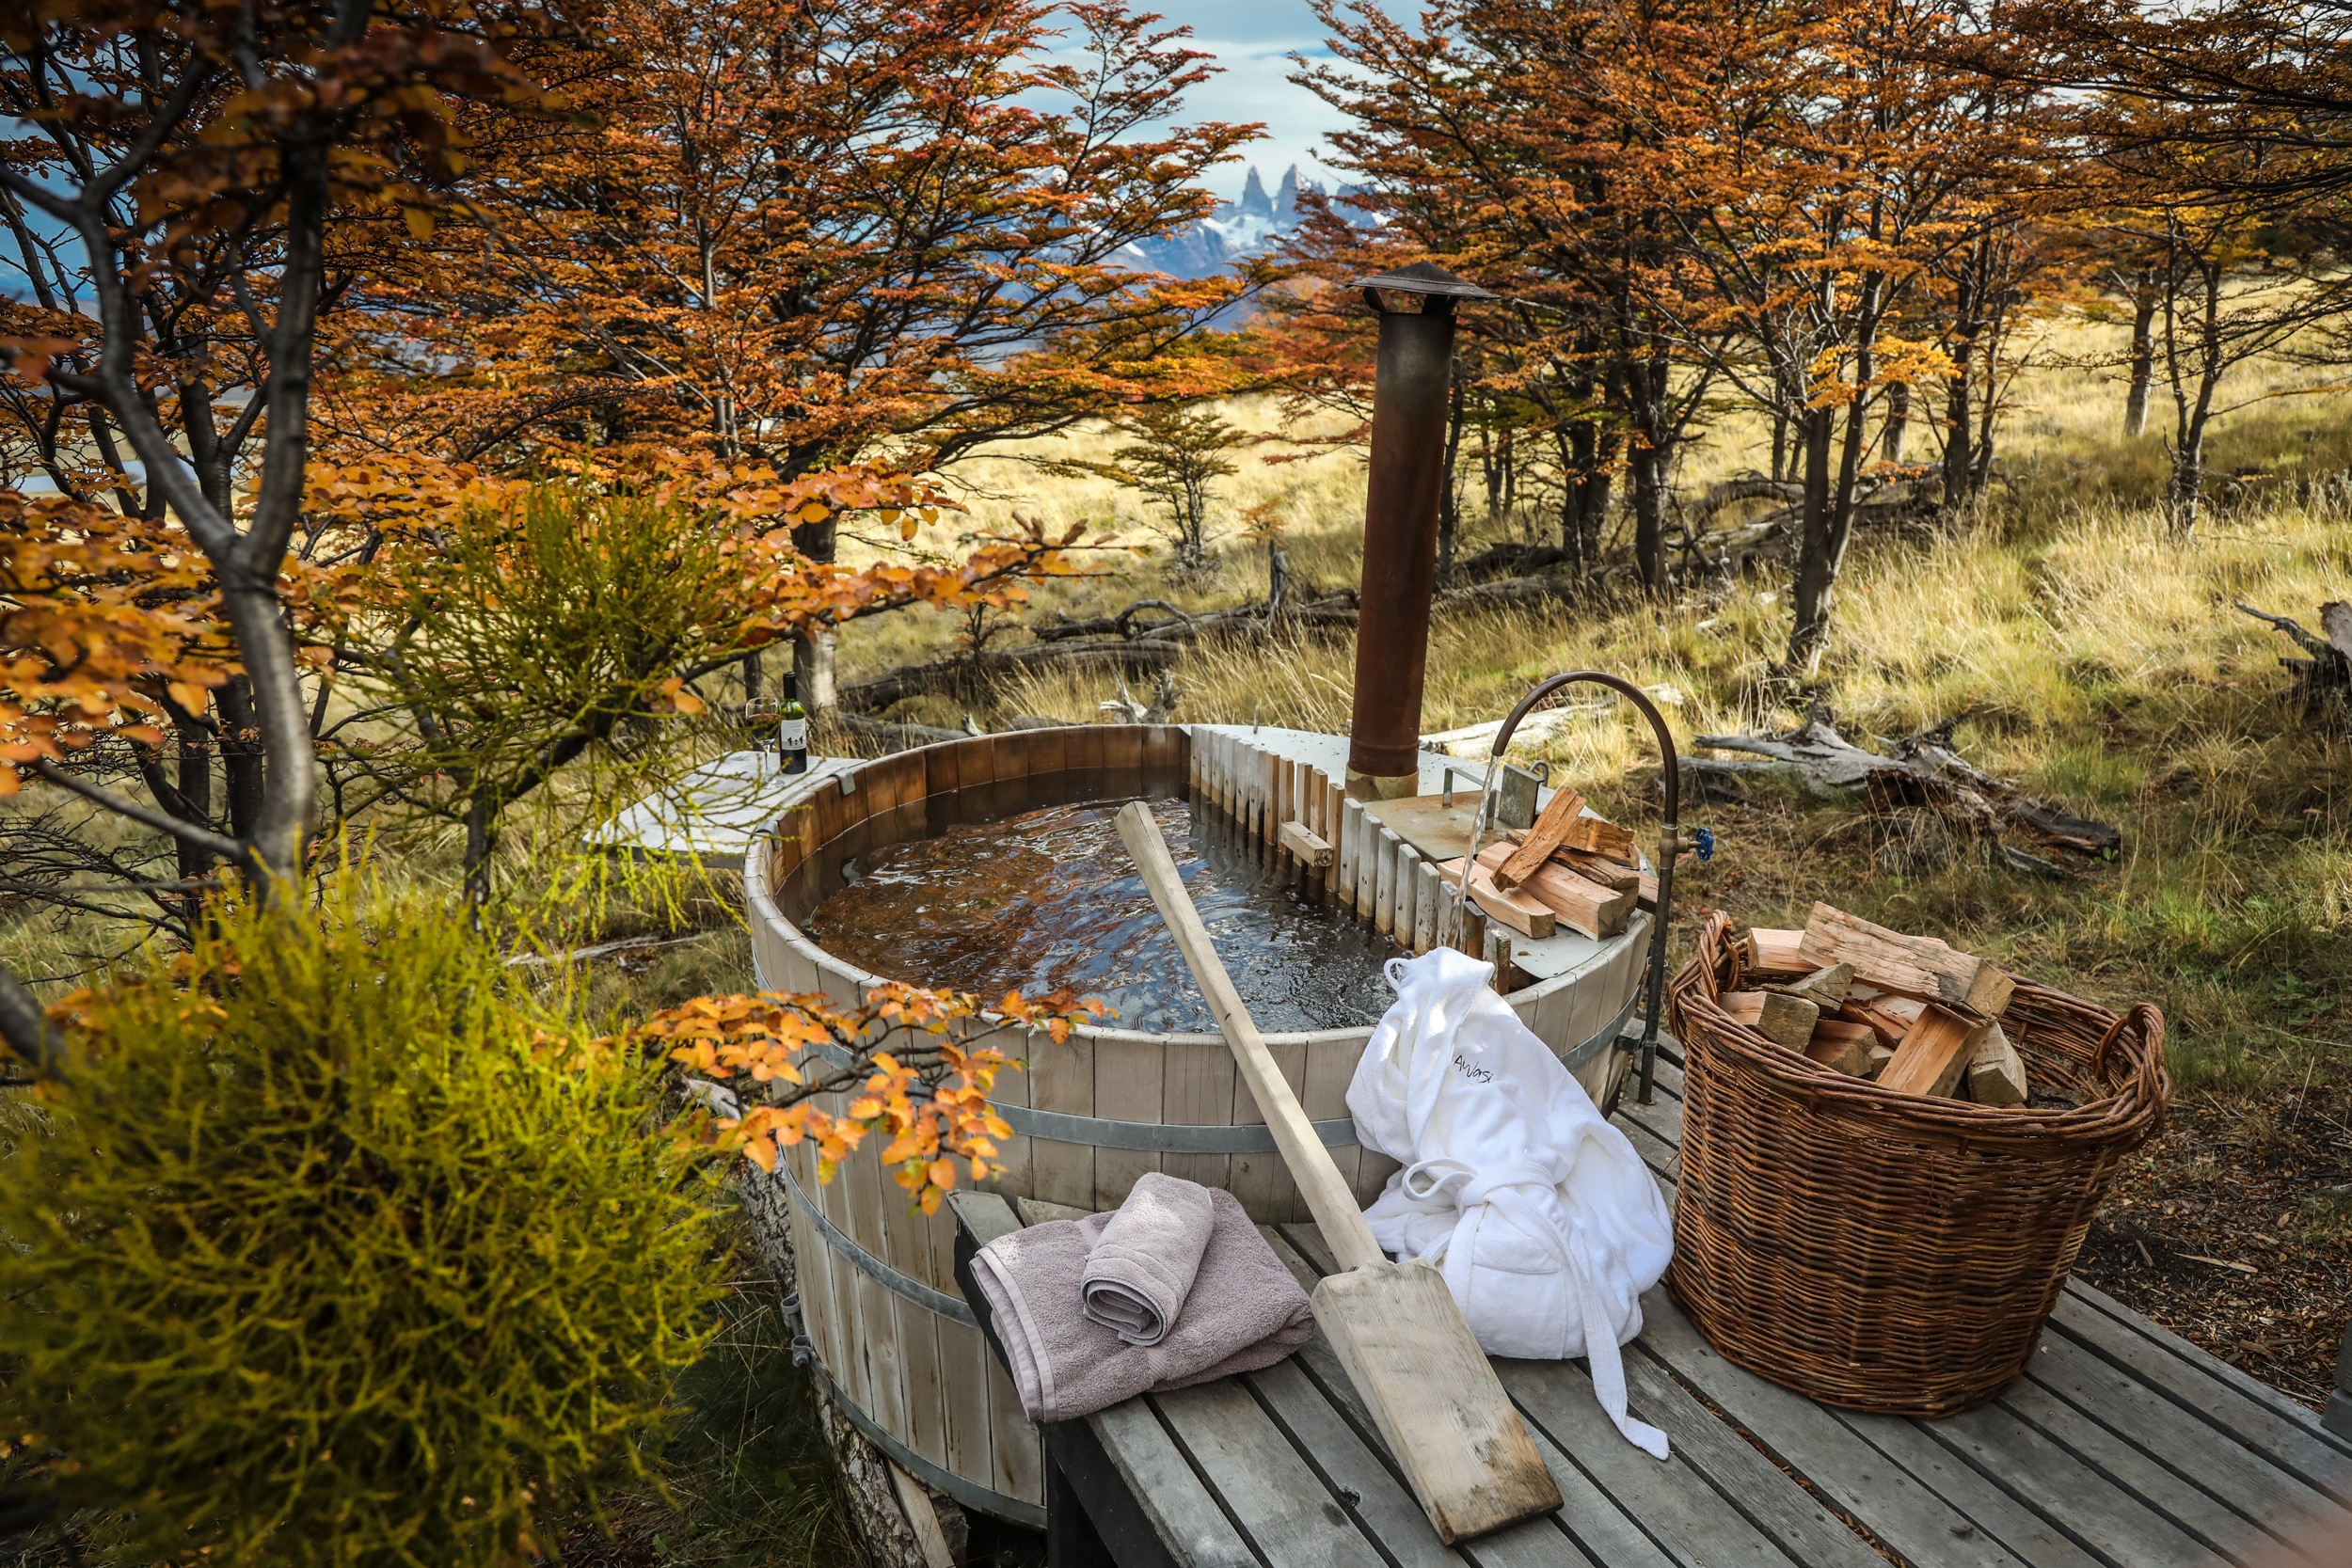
[1328, 1196]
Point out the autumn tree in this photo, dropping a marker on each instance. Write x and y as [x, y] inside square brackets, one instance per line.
[1173, 455]
[796, 233]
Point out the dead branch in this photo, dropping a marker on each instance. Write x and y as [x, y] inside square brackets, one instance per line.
[2320, 685]
[1925, 773]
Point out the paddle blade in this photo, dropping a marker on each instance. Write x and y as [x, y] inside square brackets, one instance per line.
[1453, 1430]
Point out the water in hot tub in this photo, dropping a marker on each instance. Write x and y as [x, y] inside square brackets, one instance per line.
[1050, 898]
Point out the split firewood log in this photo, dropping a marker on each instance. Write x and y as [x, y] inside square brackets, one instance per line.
[1777, 951]
[1536, 844]
[1843, 1046]
[1934, 1052]
[1921, 967]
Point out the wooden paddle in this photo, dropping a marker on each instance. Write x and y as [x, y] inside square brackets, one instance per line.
[1394, 1326]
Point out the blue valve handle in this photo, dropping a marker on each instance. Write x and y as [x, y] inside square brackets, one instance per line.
[1702, 840]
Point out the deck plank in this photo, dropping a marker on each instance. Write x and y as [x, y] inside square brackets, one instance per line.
[1988, 1507]
[1899, 1508]
[1173, 1499]
[1539, 1543]
[2190, 1509]
[1753, 1484]
[2254, 1388]
[1589, 1527]
[2305, 1453]
[1272, 1493]
[1384, 1510]
[2187, 1447]
[2114, 1526]
[1676, 1506]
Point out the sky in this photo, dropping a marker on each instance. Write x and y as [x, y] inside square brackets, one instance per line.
[1251, 39]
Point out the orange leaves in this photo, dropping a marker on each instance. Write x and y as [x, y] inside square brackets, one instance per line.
[102, 619]
[107, 623]
[927, 1099]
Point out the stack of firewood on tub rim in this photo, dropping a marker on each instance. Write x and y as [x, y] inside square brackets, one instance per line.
[1912, 1013]
[1568, 869]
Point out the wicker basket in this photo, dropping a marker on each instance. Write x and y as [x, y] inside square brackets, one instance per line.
[1881, 1251]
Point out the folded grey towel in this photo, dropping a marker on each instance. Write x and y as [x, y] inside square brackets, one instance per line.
[1143, 1265]
[1244, 1311]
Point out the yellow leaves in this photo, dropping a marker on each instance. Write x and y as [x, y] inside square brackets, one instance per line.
[420, 221]
[923, 1092]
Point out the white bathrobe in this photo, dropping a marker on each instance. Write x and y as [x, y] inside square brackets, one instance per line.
[1547, 1224]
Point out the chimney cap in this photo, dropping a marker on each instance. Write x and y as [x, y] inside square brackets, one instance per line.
[1425, 277]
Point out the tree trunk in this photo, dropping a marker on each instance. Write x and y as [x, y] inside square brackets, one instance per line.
[1897, 421]
[1650, 531]
[1959, 429]
[812, 654]
[2185, 494]
[1816, 572]
[751, 673]
[240, 755]
[2143, 360]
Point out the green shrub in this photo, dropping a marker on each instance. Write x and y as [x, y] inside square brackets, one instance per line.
[340, 1250]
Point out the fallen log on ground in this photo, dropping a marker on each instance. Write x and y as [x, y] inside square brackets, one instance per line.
[2321, 685]
[1925, 773]
[1121, 644]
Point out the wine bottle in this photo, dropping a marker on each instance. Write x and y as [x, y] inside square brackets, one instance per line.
[792, 732]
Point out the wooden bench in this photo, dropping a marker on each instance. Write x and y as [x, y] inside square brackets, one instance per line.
[2123, 1447]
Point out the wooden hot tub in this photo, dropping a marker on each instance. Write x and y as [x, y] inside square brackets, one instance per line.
[886, 1328]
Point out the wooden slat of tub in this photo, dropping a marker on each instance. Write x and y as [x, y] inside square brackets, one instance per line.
[886, 1398]
[848, 1367]
[1196, 1084]
[1085, 748]
[812, 1264]
[926, 1383]
[965, 1434]
[1195, 771]
[1061, 1078]
[1017, 1454]
[1049, 752]
[1014, 754]
[1164, 748]
[1127, 1087]
[878, 1318]
[1331, 1066]
[1123, 748]
[1270, 770]
[1011, 1088]
[917, 1241]
[1262, 1180]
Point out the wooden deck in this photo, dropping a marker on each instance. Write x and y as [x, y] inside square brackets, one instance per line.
[2124, 1446]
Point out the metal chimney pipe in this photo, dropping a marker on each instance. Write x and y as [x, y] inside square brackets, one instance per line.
[1410, 385]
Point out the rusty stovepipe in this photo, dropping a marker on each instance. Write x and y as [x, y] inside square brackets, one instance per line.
[1410, 388]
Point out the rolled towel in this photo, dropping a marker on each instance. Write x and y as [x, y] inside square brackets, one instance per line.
[1243, 1311]
[1144, 1265]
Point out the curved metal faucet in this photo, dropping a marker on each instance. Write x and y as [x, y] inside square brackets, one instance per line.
[1670, 842]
